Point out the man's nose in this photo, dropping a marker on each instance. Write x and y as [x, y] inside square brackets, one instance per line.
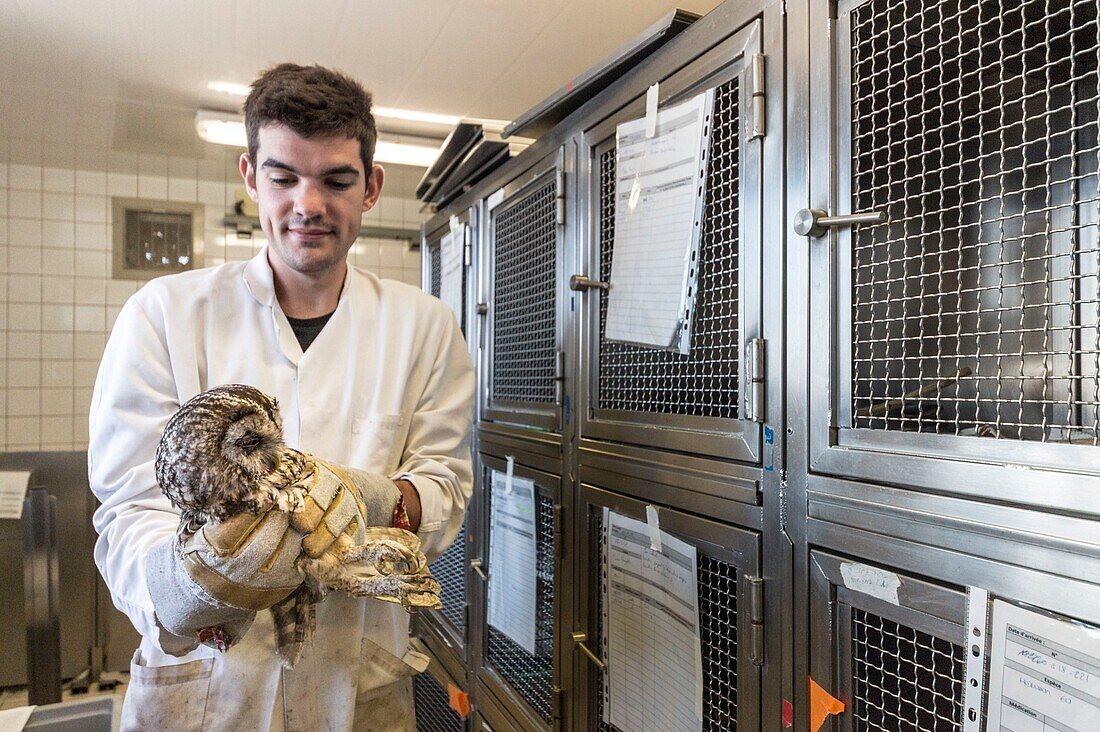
[309, 200]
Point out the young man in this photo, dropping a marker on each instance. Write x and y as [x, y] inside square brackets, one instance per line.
[368, 373]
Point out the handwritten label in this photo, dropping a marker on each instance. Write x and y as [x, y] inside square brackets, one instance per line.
[13, 489]
[871, 581]
[1044, 672]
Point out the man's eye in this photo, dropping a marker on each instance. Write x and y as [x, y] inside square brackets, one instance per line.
[340, 185]
[282, 181]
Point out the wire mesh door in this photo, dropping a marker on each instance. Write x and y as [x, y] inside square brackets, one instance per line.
[967, 323]
[524, 365]
[697, 398]
[432, 263]
[898, 663]
[726, 565]
[432, 699]
[520, 637]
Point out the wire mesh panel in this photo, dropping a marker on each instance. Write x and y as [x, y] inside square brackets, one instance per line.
[450, 570]
[435, 268]
[433, 709]
[975, 127]
[525, 299]
[903, 678]
[717, 588]
[702, 383]
[532, 676]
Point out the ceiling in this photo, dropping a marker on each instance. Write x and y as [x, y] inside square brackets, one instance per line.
[474, 58]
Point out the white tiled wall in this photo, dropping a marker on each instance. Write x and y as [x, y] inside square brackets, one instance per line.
[57, 299]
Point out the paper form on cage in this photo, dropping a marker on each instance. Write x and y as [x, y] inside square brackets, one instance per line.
[1044, 673]
[451, 251]
[654, 664]
[513, 560]
[13, 489]
[658, 217]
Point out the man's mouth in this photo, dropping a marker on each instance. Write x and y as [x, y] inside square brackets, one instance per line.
[310, 233]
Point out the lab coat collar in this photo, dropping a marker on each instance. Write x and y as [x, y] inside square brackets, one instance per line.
[260, 280]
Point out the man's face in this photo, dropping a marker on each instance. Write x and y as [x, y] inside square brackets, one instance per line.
[312, 194]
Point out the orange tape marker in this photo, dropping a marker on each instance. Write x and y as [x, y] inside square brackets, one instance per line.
[822, 704]
[459, 700]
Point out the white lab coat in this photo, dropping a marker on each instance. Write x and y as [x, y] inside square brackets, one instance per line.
[387, 387]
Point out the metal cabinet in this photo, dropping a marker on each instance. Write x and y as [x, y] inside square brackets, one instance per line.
[707, 401]
[730, 612]
[523, 362]
[954, 340]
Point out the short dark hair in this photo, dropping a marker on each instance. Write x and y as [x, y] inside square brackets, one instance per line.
[314, 102]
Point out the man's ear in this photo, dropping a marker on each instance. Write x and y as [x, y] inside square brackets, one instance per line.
[374, 187]
[249, 174]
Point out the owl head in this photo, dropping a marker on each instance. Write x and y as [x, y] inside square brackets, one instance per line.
[216, 447]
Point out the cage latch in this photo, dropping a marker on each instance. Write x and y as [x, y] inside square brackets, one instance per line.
[755, 591]
[754, 380]
[579, 639]
[816, 223]
[579, 283]
[479, 569]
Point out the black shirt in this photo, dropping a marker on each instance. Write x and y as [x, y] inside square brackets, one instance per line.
[307, 329]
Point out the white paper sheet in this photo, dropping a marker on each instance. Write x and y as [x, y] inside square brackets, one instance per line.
[451, 251]
[654, 665]
[1044, 673]
[658, 211]
[13, 489]
[15, 719]
[512, 560]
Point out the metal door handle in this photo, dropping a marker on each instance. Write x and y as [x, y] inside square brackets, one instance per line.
[579, 639]
[815, 222]
[477, 566]
[578, 283]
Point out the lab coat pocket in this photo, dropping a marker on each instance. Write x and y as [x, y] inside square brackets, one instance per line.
[166, 697]
[379, 441]
[381, 668]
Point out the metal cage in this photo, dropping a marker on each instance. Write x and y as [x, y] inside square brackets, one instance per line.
[433, 709]
[896, 666]
[966, 325]
[698, 399]
[524, 361]
[727, 568]
[432, 263]
[526, 684]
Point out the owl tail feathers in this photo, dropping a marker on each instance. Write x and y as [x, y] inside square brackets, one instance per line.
[295, 621]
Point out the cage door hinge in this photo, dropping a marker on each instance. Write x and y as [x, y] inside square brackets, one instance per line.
[559, 374]
[754, 591]
[756, 124]
[754, 380]
[559, 705]
[560, 196]
[559, 522]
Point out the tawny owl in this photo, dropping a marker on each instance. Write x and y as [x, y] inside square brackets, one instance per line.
[223, 454]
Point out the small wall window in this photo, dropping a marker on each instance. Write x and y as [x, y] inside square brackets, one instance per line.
[152, 238]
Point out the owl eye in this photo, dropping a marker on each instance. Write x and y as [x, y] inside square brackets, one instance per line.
[249, 441]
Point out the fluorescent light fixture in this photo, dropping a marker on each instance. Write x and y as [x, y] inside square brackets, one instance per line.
[410, 115]
[228, 129]
[221, 128]
[229, 87]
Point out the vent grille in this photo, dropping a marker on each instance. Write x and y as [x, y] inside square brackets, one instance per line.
[433, 708]
[450, 570]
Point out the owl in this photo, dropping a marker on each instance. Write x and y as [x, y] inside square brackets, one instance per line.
[223, 454]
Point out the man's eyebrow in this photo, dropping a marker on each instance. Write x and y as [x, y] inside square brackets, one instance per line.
[338, 170]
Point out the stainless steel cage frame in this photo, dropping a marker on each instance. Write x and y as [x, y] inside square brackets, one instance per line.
[675, 427]
[815, 481]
